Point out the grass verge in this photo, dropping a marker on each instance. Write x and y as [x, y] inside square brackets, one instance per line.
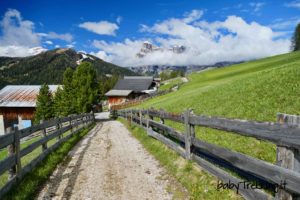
[31, 183]
[199, 184]
[255, 90]
[170, 84]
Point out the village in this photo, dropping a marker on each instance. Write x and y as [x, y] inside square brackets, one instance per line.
[18, 102]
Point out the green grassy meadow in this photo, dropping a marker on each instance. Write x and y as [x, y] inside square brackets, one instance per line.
[255, 90]
[167, 85]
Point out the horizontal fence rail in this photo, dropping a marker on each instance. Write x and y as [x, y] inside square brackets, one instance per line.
[44, 132]
[213, 158]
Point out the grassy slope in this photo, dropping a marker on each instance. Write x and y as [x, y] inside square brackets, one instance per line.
[254, 90]
[170, 84]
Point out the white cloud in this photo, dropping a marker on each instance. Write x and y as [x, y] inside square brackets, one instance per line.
[119, 19]
[19, 37]
[49, 42]
[71, 45]
[20, 51]
[100, 54]
[17, 31]
[293, 4]
[118, 52]
[193, 15]
[285, 23]
[256, 5]
[66, 37]
[233, 39]
[101, 28]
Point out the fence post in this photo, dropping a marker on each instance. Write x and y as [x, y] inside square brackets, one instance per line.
[188, 136]
[44, 134]
[147, 123]
[131, 115]
[149, 129]
[140, 113]
[74, 125]
[17, 152]
[193, 131]
[58, 129]
[70, 121]
[84, 121]
[161, 111]
[151, 117]
[93, 116]
[288, 157]
[11, 152]
[128, 118]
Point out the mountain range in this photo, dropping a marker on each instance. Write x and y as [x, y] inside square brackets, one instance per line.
[49, 66]
[147, 49]
[157, 69]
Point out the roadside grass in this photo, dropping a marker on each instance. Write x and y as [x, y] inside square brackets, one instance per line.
[170, 84]
[25, 160]
[29, 157]
[200, 185]
[32, 182]
[256, 90]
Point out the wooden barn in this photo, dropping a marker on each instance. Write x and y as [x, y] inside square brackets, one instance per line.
[17, 105]
[131, 87]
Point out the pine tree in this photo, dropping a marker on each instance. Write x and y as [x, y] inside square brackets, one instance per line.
[69, 93]
[59, 103]
[44, 104]
[296, 39]
[85, 82]
[106, 84]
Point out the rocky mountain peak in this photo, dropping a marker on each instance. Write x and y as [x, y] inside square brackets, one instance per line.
[148, 48]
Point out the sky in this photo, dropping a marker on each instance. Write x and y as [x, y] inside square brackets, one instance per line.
[211, 31]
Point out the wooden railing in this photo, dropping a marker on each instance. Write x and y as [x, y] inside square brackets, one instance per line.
[47, 131]
[285, 134]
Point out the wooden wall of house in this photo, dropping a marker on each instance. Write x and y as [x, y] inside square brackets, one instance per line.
[13, 113]
[10, 115]
[116, 100]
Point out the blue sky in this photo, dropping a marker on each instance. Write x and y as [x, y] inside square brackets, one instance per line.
[212, 31]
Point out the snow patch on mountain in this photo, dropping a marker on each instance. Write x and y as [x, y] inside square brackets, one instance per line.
[84, 56]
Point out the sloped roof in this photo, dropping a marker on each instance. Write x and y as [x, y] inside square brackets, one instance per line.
[138, 77]
[119, 93]
[134, 83]
[21, 95]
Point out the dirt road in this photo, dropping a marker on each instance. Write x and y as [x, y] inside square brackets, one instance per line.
[108, 164]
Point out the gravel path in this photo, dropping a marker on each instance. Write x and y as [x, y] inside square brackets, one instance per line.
[108, 164]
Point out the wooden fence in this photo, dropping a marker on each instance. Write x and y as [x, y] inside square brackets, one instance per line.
[285, 134]
[47, 131]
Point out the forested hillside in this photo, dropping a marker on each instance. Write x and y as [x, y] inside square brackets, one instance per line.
[48, 67]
